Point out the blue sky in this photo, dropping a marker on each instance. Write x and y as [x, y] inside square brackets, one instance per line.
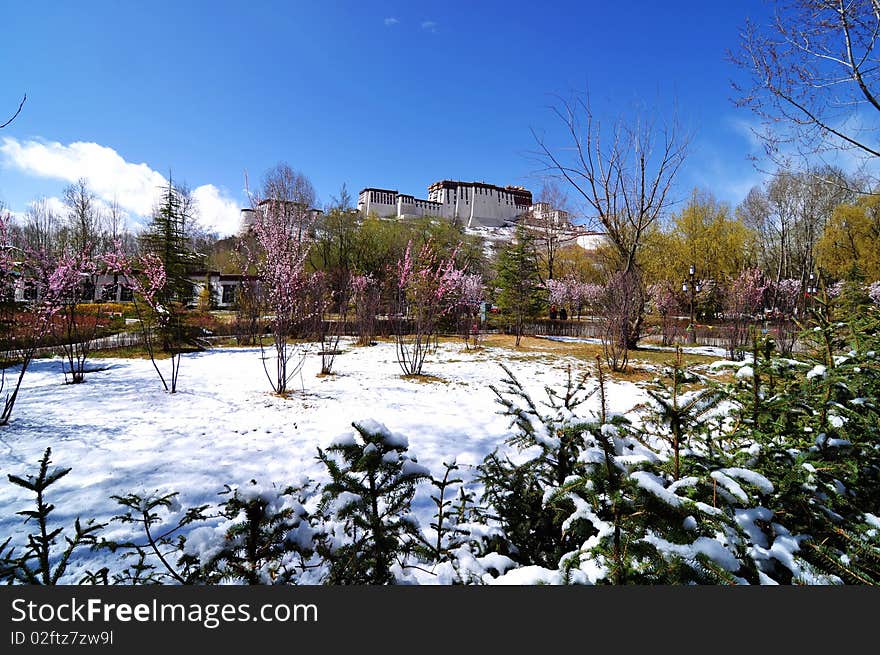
[396, 94]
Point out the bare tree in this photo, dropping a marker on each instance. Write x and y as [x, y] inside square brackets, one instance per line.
[624, 298]
[811, 71]
[277, 252]
[83, 218]
[624, 174]
[290, 195]
[114, 221]
[789, 213]
[41, 227]
[17, 112]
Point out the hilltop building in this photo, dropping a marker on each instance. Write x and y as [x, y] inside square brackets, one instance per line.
[485, 209]
[473, 204]
[249, 216]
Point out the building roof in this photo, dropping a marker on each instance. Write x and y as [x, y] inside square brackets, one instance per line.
[452, 184]
[373, 188]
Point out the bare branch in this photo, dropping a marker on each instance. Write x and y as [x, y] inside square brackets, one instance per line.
[17, 112]
[810, 69]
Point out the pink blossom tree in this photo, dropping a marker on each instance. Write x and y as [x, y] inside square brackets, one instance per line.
[22, 324]
[666, 303]
[787, 298]
[69, 281]
[425, 285]
[365, 298]
[559, 292]
[465, 299]
[576, 295]
[146, 277]
[786, 295]
[585, 296]
[281, 248]
[744, 297]
[836, 289]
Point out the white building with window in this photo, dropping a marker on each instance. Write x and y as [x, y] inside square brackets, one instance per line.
[308, 215]
[473, 204]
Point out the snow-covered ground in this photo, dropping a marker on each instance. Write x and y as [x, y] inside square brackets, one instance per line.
[120, 432]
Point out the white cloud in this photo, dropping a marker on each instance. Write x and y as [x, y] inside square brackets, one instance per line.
[108, 174]
[429, 25]
[749, 130]
[55, 205]
[833, 151]
[217, 211]
[136, 187]
[391, 21]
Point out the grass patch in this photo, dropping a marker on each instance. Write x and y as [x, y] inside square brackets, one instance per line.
[424, 378]
[130, 352]
[641, 366]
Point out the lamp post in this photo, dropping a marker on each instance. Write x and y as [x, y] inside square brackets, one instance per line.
[812, 290]
[693, 287]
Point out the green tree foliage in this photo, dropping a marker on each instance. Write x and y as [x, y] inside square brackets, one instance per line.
[372, 483]
[267, 537]
[520, 294]
[812, 428]
[379, 244]
[514, 493]
[703, 234]
[336, 233]
[42, 561]
[773, 477]
[162, 538]
[166, 237]
[575, 263]
[680, 411]
[611, 513]
[850, 245]
[451, 511]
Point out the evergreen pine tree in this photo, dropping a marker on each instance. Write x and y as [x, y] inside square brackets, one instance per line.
[810, 428]
[678, 411]
[267, 537]
[597, 504]
[166, 237]
[41, 562]
[519, 280]
[162, 538]
[372, 483]
[450, 512]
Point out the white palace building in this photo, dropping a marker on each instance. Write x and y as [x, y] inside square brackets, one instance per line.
[473, 204]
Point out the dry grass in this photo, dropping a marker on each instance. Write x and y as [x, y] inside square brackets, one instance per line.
[130, 352]
[642, 365]
[425, 379]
